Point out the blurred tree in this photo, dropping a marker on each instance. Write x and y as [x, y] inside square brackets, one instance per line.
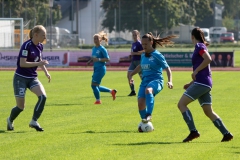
[35, 11]
[202, 9]
[152, 14]
[232, 8]
[231, 12]
[228, 22]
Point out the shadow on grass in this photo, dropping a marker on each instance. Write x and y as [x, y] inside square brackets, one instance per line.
[106, 95]
[144, 143]
[111, 132]
[234, 147]
[12, 132]
[2, 131]
[96, 132]
[236, 152]
[19, 132]
[67, 104]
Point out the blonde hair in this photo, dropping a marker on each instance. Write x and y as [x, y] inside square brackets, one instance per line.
[138, 33]
[159, 41]
[36, 29]
[103, 36]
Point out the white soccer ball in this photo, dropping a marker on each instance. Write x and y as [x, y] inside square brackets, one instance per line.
[145, 127]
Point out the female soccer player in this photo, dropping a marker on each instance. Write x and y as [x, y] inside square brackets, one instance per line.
[99, 57]
[136, 52]
[29, 59]
[152, 64]
[199, 88]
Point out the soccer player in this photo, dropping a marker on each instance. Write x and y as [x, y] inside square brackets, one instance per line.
[99, 58]
[199, 88]
[29, 59]
[152, 64]
[136, 52]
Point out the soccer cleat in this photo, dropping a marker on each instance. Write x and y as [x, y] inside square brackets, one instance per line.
[98, 102]
[9, 125]
[227, 137]
[191, 136]
[35, 125]
[113, 93]
[133, 93]
[147, 119]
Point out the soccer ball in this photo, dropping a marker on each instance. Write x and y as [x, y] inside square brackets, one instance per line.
[145, 127]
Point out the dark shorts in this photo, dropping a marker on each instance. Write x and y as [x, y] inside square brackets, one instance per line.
[133, 65]
[199, 92]
[20, 84]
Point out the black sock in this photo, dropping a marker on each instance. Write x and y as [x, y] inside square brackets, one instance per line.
[14, 113]
[132, 87]
[39, 107]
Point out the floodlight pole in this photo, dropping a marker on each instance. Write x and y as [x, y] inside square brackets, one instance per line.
[51, 5]
[72, 15]
[3, 8]
[143, 16]
[77, 28]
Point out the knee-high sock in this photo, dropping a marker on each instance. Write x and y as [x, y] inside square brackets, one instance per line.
[96, 92]
[187, 116]
[14, 113]
[149, 103]
[221, 127]
[143, 113]
[39, 107]
[132, 86]
[104, 89]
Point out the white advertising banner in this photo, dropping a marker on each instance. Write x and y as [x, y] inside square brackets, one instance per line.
[55, 58]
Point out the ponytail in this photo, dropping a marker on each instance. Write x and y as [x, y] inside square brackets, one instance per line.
[103, 36]
[159, 41]
[31, 34]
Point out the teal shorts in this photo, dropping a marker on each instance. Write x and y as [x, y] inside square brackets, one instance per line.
[199, 92]
[156, 85]
[98, 74]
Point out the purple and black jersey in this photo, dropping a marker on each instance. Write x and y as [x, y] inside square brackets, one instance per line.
[33, 54]
[136, 46]
[204, 76]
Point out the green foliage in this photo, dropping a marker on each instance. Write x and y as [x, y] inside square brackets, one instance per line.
[231, 9]
[228, 22]
[152, 15]
[36, 11]
[202, 10]
[77, 129]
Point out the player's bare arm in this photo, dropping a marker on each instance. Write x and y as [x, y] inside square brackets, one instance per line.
[169, 75]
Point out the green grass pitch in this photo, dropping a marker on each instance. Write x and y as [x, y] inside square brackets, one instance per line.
[77, 129]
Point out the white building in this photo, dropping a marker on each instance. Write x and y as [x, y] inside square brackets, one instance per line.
[90, 16]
